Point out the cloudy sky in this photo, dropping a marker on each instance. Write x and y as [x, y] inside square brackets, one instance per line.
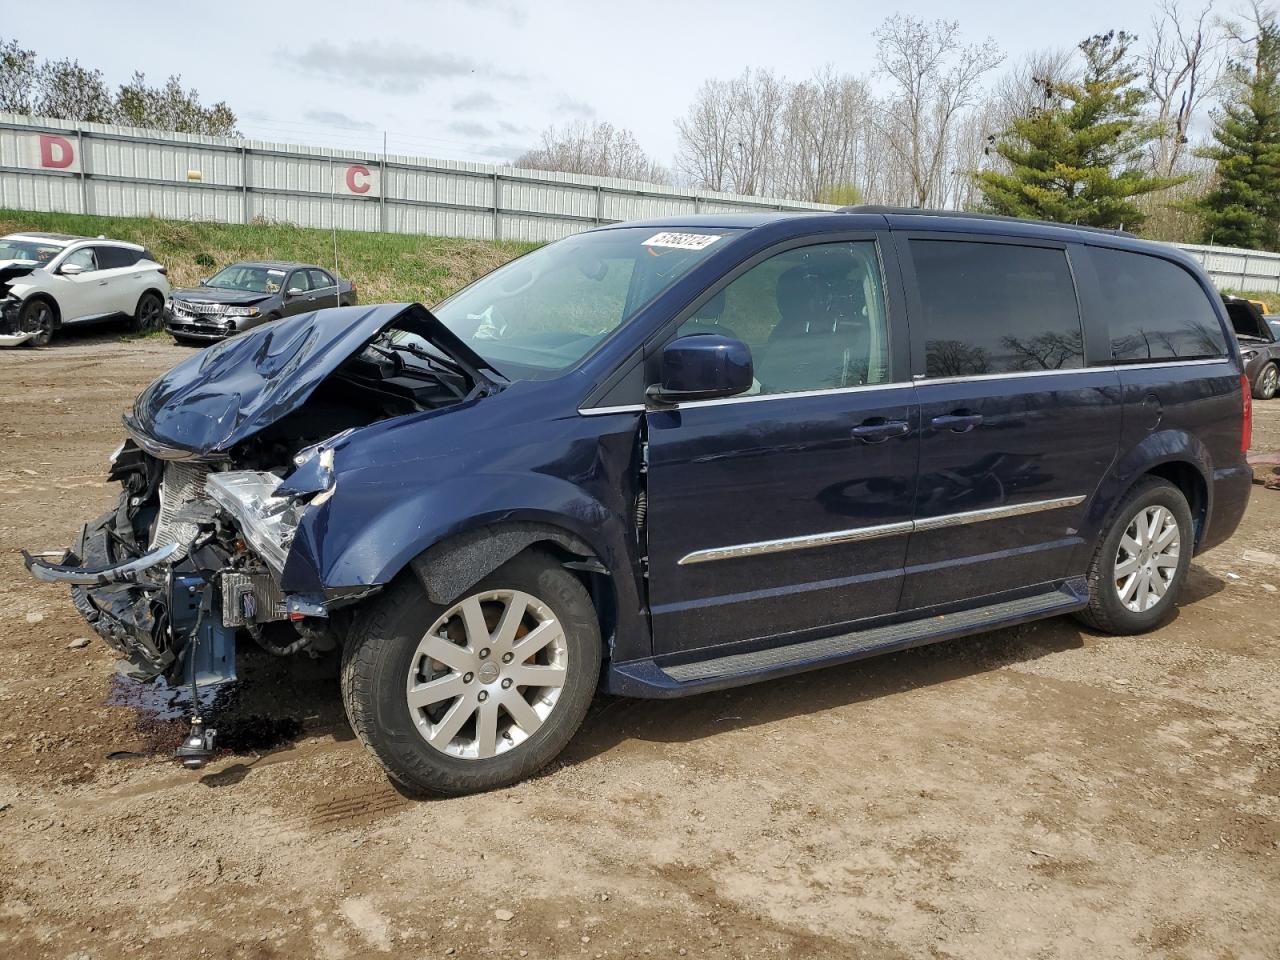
[477, 79]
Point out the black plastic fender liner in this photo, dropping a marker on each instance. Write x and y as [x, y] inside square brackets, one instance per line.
[448, 568]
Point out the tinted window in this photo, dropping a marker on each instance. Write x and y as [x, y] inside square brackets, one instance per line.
[996, 308]
[299, 281]
[813, 317]
[110, 258]
[1156, 309]
[319, 279]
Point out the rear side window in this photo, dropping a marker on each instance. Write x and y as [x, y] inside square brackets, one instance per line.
[111, 258]
[1156, 310]
[996, 308]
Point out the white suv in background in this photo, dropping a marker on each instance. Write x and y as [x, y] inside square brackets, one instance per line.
[49, 280]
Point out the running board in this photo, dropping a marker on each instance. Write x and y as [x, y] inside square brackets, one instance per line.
[645, 678]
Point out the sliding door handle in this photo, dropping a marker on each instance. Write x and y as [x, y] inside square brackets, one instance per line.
[956, 422]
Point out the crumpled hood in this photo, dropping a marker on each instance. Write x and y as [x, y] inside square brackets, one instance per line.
[221, 396]
[12, 269]
[219, 295]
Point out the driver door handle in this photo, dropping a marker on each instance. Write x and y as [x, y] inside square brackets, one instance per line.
[877, 430]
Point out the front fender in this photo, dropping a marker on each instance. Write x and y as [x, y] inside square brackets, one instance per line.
[365, 536]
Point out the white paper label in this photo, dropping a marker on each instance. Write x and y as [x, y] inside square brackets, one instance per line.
[682, 241]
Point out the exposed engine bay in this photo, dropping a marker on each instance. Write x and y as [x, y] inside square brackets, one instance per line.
[194, 550]
[13, 331]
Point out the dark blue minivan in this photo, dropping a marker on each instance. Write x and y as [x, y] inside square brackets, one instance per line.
[667, 457]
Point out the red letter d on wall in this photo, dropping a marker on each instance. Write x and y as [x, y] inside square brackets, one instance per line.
[56, 152]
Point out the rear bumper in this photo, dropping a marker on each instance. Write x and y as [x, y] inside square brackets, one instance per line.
[1231, 488]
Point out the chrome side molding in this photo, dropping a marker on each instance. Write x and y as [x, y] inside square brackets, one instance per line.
[811, 541]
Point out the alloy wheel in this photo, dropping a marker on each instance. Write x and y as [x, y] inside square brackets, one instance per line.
[488, 674]
[149, 314]
[1270, 380]
[42, 323]
[1147, 558]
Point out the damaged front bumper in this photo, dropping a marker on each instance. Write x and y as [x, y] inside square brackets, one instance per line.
[11, 332]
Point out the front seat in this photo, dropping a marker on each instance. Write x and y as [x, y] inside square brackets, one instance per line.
[801, 352]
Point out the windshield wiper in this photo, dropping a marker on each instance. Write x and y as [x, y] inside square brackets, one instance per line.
[444, 362]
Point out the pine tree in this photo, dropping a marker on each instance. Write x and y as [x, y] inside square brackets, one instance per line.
[1243, 207]
[1078, 158]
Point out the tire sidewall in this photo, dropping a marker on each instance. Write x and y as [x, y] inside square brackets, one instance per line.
[397, 739]
[1263, 392]
[45, 335]
[1157, 493]
[137, 323]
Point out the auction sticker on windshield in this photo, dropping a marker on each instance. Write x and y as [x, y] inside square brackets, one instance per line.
[682, 241]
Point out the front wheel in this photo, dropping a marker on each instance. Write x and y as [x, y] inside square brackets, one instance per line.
[1142, 560]
[1268, 381]
[480, 693]
[37, 316]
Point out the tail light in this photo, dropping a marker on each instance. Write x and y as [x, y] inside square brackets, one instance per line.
[1246, 433]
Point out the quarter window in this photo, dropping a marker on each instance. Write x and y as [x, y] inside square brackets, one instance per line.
[814, 318]
[996, 308]
[1157, 310]
[112, 258]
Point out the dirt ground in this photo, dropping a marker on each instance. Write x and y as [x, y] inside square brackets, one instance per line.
[1038, 792]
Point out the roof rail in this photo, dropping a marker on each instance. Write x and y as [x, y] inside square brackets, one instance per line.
[962, 215]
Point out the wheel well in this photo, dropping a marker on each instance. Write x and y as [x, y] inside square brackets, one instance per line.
[53, 305]
[597, 582]
[450, 567]
[145, 292]
[1191, 482]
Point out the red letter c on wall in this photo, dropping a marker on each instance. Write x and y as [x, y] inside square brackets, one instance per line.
[361, 186]
[56, 152]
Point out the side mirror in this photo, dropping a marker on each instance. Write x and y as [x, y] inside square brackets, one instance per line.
[71, 269]
[202, 282]
[703, 366]
[293, 292]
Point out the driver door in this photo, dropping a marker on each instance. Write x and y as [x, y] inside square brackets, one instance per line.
[85, 294]
[303, 300]
[787, 509]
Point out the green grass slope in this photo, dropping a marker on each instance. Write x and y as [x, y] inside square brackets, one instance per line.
[387, 267]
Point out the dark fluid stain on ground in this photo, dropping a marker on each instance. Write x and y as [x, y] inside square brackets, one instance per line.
[163, 714]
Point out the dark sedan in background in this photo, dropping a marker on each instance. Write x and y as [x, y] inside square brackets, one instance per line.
[1259, 346]
[244, 295]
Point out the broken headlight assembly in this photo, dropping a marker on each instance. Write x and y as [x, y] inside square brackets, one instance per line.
[266, 509]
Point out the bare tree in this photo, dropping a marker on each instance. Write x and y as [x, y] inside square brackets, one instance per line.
[595, 148]
[936, 77]
[1181, 67]
[18, 72]
[68, 91]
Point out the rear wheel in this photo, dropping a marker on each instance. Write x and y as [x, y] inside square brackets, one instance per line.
[480, 693]
[1268, 381]
[38, 316]
[149, 314]
[1142, 560]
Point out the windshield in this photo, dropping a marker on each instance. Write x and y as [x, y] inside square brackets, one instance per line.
[542, 313]
[27, 250]
[249, 279]
[1274, 324]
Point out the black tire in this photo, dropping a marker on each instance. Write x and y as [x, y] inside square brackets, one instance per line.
[380, 653]
[1106, 611]
[149, 313]
[38, 314]
[1266, 383]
